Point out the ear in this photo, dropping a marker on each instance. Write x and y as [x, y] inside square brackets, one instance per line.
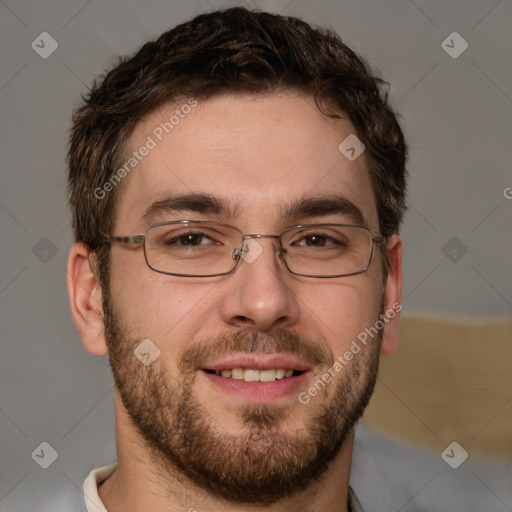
[85, 297]
[392, 295]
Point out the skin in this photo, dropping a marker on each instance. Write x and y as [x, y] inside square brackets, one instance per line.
[259, 152]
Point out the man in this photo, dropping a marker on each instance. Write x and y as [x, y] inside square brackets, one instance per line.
[237, 188]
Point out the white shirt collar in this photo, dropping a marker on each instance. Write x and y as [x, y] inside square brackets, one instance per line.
[97, 476]
[91, 483]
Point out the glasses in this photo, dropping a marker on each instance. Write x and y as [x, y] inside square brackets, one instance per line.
[190, 248]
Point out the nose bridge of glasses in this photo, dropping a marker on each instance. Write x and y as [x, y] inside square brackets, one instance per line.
[260, 236]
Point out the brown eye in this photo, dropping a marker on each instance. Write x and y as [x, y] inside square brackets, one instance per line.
[316, 240]
[189, 240]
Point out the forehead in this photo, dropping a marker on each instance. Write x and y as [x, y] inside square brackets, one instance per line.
[258, 154]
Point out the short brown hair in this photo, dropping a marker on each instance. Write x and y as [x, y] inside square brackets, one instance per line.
[231, 51]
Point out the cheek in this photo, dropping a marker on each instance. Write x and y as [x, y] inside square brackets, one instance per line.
[342, 311]
[155, 306]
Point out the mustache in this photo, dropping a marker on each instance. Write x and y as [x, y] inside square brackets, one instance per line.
[249, 341]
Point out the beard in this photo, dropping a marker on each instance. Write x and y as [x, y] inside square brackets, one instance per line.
[261, 463]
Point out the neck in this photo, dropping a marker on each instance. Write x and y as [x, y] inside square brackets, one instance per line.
[140, 484]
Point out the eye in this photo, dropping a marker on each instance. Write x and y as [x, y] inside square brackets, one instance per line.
[190, 240]
[317, 240]
[193, 239]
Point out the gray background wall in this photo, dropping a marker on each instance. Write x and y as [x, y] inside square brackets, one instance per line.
[457, 114]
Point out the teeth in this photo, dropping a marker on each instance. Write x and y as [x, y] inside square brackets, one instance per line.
[237, 373]
[251, 375]
[267, 375]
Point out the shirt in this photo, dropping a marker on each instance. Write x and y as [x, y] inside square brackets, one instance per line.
[93, 502]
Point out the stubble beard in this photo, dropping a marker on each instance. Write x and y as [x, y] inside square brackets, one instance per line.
[260, 464]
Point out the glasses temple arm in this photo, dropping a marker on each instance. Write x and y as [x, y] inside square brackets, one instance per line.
[134, 239]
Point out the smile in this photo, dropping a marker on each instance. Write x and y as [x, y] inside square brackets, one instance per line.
[255, 375]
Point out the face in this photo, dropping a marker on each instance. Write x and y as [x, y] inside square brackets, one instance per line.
[261, 164]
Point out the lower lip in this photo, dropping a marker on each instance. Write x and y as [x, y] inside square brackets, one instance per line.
[258, 391]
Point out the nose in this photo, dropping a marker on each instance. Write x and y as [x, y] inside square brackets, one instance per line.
[260, 293]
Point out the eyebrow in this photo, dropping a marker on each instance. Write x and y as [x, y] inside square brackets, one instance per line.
[199, 203]
[322, 206]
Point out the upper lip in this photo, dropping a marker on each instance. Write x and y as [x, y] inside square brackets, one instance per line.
[258, 362]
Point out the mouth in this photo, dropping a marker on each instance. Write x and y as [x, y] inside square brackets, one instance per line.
[258, 379]
[255, 375]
